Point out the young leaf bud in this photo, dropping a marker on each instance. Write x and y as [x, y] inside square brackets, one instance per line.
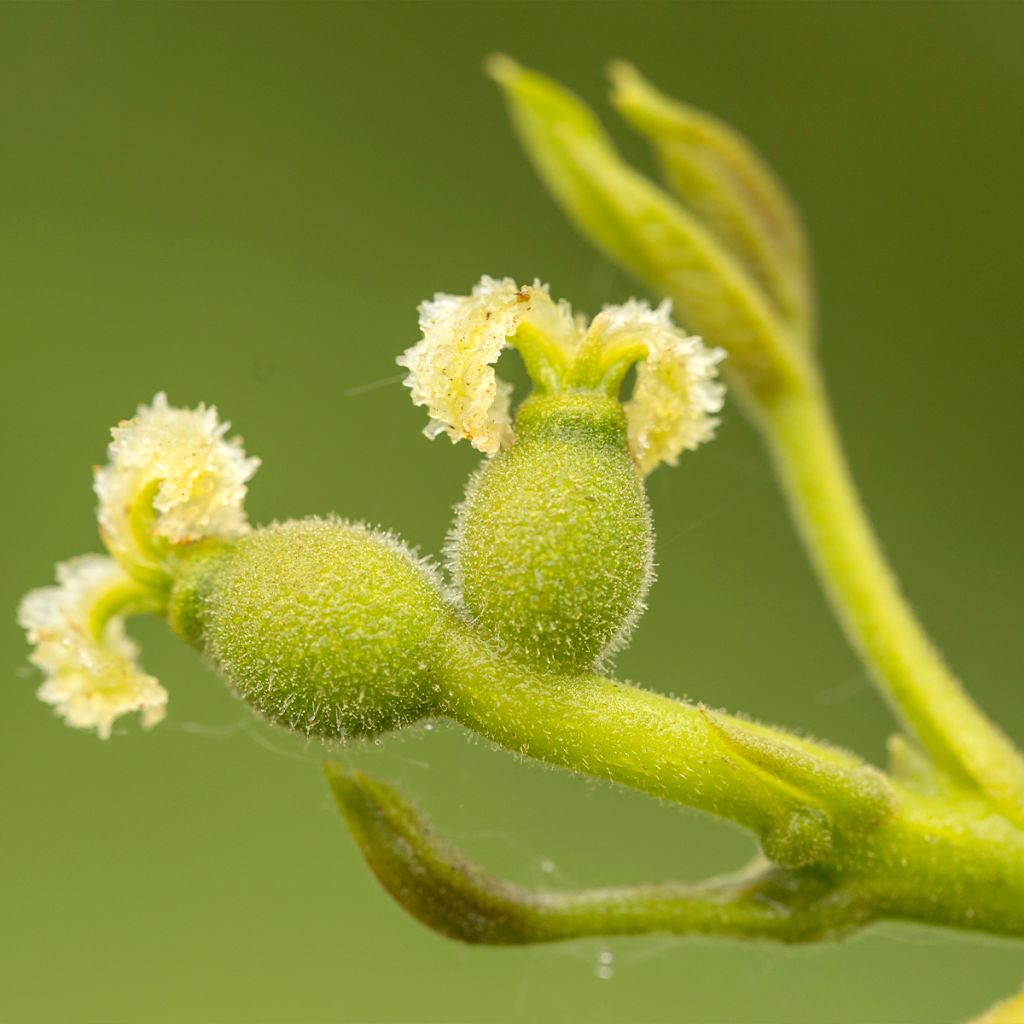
[647, 231]
[552, 548]
[322, 626]
[726, 184]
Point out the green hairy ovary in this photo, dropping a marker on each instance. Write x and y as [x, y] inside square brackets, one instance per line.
[552, 549]
[321, 625]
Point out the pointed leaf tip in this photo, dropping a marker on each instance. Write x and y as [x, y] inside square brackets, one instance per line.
[726, 183]
[424, 873]
[500, 67]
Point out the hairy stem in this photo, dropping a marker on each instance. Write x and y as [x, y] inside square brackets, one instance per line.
[792, 793]
[904, 663]
[944, 860]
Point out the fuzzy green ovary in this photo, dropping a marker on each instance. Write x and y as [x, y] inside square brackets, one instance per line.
[320, 625]
[552, 548]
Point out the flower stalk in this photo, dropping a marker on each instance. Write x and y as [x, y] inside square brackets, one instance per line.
[795, 795]
[904, 663]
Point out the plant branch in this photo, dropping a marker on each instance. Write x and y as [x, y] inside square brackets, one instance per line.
[907, 668]
[440, 887]
[939, 858]
[929, 864]
[792, 793]
[700, 255]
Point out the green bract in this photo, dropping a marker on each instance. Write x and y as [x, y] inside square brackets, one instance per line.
[552, 549]
[323, 626]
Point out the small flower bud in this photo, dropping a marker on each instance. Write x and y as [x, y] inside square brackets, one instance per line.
[552, 548]
[323, 626]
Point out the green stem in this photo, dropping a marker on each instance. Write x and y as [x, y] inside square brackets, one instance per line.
[905, 665]
[790, 792]
[544, 360]
[125, 598]
[943, 860]
[438, 885]
[742, 906]
[940, 862]
[928, 865]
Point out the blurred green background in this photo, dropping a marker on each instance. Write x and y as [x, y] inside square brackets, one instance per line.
[243, 205]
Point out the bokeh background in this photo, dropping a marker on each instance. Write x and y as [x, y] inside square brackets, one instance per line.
[243, 205]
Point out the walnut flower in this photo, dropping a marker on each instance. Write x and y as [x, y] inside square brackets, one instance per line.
[92, 676]
[451, 368]
[179, 462]
[676, 394]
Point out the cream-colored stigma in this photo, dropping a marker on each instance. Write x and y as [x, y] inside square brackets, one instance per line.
[677, 394]
[179, 462]
[451, 368]
[92, 673]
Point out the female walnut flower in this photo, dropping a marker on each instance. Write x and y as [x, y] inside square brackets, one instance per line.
[172, 479]
[92, 676]
[552, 550]
[676, 395]
[451, 369]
